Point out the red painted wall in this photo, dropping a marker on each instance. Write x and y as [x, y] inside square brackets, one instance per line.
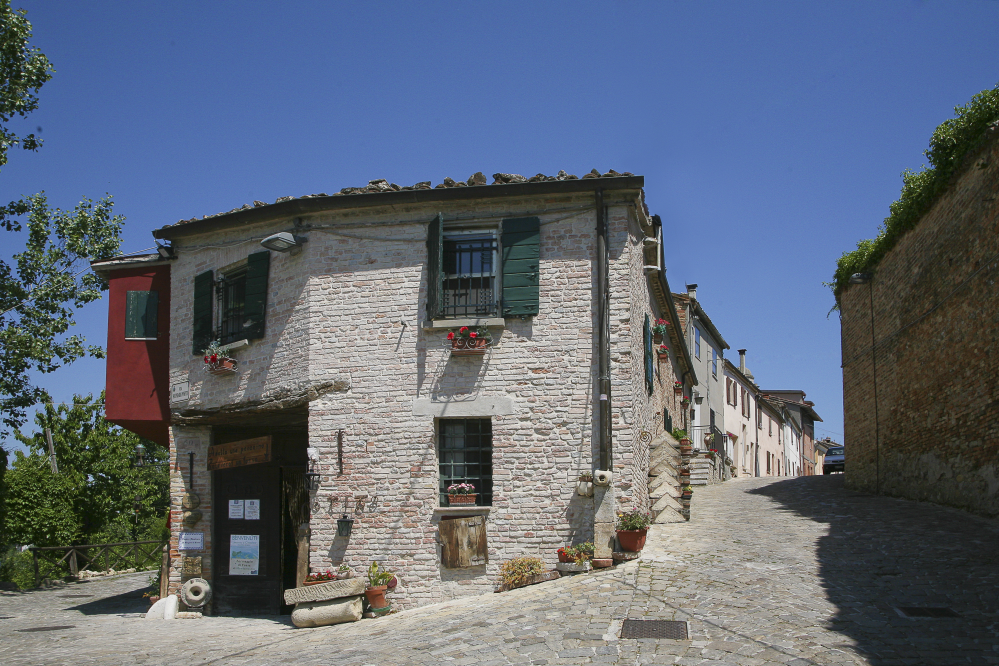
[138, 370]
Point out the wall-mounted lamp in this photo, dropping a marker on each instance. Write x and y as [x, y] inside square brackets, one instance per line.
[165, 251]
[860, 278]
[312, 476]
[344, 526]
[284, 241]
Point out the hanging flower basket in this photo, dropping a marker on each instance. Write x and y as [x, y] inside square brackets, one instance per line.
[659, 331]
[216, 361]
[467, 341]
[678, 388]
[662, 351]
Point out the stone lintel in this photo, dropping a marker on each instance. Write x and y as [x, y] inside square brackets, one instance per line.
[334, 589]
[486, 405]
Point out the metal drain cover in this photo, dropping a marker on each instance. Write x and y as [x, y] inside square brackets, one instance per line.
[654, 629]
[925, 611]
[52, 628]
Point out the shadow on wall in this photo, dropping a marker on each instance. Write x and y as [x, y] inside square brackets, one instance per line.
[882, 554]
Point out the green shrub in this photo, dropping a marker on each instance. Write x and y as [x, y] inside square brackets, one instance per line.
[17, 567]
[951, 142]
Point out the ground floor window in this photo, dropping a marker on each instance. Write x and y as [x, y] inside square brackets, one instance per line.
[465, 448]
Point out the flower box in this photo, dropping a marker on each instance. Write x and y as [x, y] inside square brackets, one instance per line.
[462, 500]
[468, 346]
[223, 366]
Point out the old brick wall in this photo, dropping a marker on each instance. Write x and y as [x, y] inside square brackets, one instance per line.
[936, 326]
[183, 442]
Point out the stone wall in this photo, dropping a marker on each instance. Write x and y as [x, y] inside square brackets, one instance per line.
[936, 327]
[184, 441]
[349, 311]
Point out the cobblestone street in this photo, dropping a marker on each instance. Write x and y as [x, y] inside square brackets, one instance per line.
[795, 571]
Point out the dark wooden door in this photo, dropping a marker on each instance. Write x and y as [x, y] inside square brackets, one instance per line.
[242, 585]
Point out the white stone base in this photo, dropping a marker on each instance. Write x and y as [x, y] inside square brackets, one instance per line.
[322, 613]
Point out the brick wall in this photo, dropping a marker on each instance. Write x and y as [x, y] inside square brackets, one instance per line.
[935, 306]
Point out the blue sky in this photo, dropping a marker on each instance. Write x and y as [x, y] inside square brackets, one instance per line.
[771, 135]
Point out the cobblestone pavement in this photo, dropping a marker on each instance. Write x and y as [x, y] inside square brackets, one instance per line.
[794, 571]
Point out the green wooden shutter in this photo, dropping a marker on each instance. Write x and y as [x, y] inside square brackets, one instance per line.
[521, 259]
[203, 287]
[140, 314]
[254, 306]
[435, 263]
[649, 368]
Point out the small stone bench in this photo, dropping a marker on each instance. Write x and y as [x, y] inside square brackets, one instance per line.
[327, 603]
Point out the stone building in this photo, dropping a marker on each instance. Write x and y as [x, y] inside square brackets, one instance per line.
[348, 402]
[920, 335]
[740, 416]
[803, 413]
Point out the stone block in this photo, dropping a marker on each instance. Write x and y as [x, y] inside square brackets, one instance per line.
[602, 563]
[572, 567]
[335, 589]
[164, 609]
[322, 613]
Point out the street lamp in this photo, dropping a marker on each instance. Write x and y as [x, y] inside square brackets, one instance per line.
[866, 278]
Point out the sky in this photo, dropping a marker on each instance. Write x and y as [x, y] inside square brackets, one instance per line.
[771, 135]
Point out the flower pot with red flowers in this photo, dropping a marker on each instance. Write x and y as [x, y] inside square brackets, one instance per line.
[662, 351]
[660, 330]
[319, 577]
[461, 494]
[563, 555]
[378, 583]
[469, 341]
[632, 527]
[217, 362]
[678, 388]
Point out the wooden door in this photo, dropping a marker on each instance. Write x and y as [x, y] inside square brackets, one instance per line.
[246, 553]
[463, 541]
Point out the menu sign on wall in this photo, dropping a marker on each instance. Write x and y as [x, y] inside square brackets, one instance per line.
[239, 454]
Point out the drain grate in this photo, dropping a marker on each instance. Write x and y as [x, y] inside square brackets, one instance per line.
[926, 611]
[654, 629]
[52, 628]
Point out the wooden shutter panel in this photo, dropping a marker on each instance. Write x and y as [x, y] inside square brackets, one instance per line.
[649, 368]
[140, 314]
[463, 542]
[203, 287]
[435, 262]
[254, 307]
[521, 264]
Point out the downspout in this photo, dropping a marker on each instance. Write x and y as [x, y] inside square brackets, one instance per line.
[603, 334]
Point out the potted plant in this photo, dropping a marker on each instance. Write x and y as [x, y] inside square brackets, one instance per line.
[584, 486]
[582, 552]
[662, 351]
[686, 447]
[521, 571]
[659, 331]
[217, 361]
[632, 526]
[461, 494]
[684, 472]
[467, 341]
[565, 554]
[378, 582]
[319, 577]
[686, 492]
[711, 453]
[678, 387]
[343, 572]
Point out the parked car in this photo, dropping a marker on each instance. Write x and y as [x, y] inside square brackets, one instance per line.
[834, 460]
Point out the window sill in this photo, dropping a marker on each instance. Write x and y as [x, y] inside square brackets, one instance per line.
[457, 323]
[462, 511]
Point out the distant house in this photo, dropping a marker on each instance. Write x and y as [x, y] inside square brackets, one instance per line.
[740, 416]
[804, 415]
[334, 390]
[920, 335]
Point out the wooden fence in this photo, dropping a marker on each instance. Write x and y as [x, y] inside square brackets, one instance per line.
[71, 560]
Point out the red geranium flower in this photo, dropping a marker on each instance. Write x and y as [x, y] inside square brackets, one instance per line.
[206, 359]
[214, 358]
[450, 335]
[472, 334]
[463, 329]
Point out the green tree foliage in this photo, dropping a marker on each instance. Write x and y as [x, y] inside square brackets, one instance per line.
[951, 142]
[98, 495]
[23, 71]
[41, 291]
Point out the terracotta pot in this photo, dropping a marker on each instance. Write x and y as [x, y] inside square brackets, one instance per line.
[376, 597]
[678, 390]
[462, 500]
[468, 346]
[632, 540]
[564, 559]
[662, 355]
[153, 599]
[224, 366]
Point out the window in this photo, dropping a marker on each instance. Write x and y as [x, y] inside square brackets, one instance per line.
[469, 282]
[140, 315]
[240, 294]
[714, 362]
[770, 423]
[466, 456]
[697, 343]
[759, 415]
[483, 272]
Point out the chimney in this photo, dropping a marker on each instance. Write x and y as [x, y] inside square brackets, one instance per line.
[692, 291]
[742, 361]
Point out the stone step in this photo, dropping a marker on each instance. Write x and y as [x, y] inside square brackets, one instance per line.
[662, 467]
[666, 502]
[662, 485]
[665, 452]
[669, 516]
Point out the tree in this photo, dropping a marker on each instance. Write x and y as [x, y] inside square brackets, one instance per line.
[98, 495]
[23, 71]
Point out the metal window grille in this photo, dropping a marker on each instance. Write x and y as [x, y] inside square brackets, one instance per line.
[230, 291]
[466, 456]
[469, 288]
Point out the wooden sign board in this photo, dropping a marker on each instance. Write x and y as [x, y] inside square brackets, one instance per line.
[239, 454]
[191, 566]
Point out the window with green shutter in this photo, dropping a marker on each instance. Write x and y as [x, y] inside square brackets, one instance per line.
[649, 362]
[202, 320]
[140, 315]
[240, 294]
[521, 243]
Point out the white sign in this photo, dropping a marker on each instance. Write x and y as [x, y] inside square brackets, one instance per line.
[191, 541]
[252, 511]
[180, 392]
[235, 509]
[244, 554]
